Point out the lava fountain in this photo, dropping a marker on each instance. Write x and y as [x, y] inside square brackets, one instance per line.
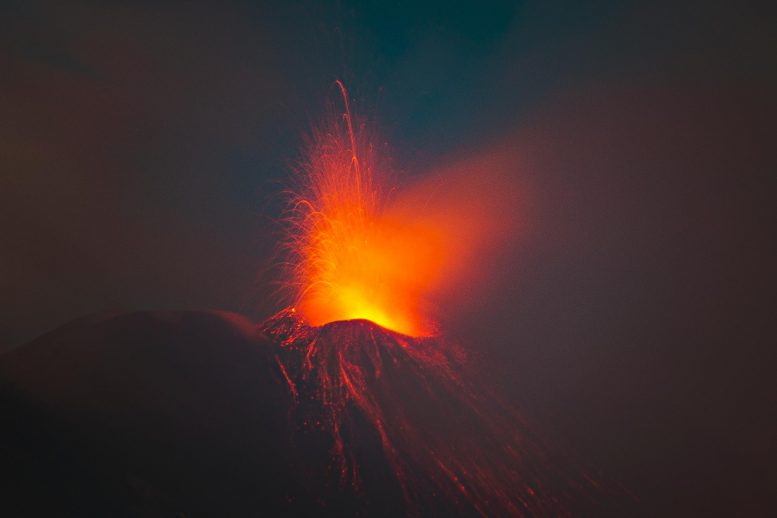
[368, 367]
[351, 258]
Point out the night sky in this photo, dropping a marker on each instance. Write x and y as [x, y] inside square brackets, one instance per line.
[143, 148]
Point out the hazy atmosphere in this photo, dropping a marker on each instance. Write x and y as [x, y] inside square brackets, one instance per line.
[628, 302]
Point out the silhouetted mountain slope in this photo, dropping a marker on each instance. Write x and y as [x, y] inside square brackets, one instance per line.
[145, 413]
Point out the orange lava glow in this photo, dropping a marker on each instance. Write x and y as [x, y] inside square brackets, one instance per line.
[358, 253]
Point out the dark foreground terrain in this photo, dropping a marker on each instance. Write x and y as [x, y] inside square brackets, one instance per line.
[145, 414]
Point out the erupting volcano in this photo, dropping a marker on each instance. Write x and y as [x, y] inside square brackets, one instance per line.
[365, 361]
[350, 402]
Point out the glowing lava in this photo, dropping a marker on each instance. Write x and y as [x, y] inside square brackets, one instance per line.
[352, 259]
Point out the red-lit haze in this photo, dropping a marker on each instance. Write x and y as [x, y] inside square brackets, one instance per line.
[362, 249]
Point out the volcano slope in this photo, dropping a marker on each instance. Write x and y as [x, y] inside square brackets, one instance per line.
[205, 413]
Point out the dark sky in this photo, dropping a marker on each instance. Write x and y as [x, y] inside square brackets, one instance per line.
[142, 149]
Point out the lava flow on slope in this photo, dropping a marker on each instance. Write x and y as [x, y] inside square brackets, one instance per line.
[403, 426]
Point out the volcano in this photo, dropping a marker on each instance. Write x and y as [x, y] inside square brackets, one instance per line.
[205, 413]
[359, 408]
